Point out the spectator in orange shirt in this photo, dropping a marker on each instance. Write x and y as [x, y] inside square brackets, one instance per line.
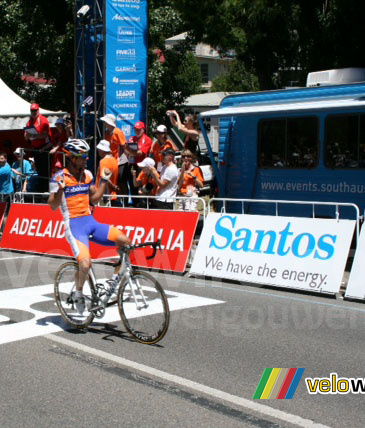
[108, 161]
[160, 144]
[189, 182]
[117, 142]
[144, 182]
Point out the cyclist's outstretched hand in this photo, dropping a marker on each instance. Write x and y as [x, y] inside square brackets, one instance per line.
[61, 182]
[106, 174]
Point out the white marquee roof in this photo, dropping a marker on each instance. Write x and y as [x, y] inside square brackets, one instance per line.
[14, 110]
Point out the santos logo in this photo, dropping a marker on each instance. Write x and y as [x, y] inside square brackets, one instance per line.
[271, 242]
[335, 385]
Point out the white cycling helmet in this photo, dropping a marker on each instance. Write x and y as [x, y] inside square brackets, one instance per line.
[76, 147]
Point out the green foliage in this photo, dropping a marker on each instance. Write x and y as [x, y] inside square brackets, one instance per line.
[172, 81]
[273, 37]
[37, 37]
[236, 79]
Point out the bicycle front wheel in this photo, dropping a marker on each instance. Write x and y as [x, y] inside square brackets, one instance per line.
[64, 291]
[143, 307]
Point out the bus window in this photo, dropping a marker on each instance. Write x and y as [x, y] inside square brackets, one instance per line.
[288, 143]
[342, 141]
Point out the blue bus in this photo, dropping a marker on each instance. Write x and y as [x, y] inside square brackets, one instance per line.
[300, 144]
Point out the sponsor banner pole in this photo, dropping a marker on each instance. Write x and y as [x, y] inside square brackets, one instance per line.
[356, 284]
[126, 61]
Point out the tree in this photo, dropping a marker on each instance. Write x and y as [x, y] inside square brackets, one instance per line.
[37, 37]
[174, 73]
[236, 79]
[272, 37]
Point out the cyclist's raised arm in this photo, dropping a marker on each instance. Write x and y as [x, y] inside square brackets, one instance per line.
[56, 187]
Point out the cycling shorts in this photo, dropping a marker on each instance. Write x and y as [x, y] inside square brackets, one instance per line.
[82, 230]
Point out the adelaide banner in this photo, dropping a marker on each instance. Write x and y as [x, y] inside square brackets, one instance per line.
[36, 228]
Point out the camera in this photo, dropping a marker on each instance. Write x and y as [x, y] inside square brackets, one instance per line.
[82, 12]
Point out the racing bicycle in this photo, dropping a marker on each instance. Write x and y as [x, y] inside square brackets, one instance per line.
[141, 300]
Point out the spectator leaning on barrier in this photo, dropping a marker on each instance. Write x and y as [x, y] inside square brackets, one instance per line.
[166, 182]
[145, 182]
[109, 162]
[117, 141]
[159, 145]
[190, 181]
[21, 171]
[38, 133]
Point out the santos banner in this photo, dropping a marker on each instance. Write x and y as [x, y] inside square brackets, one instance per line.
[37, 229]
[126, 61]
[302, 253]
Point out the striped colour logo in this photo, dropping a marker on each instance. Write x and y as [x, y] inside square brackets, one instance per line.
[278, 383]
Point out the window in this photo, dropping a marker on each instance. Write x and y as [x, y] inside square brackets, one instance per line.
[288, 143]
[345, 141]
[204, 72]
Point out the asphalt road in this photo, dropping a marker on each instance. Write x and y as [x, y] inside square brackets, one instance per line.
[203, 373]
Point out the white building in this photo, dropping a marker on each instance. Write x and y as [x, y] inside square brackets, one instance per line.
[210, 61]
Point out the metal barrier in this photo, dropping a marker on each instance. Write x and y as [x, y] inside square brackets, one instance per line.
[336, 205]
[19, 197]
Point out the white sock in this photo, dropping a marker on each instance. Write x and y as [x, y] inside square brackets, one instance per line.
[78, 293]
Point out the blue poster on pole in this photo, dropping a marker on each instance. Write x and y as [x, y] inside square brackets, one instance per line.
[126, 62]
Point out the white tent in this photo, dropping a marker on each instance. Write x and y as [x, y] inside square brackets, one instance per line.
[14, 111]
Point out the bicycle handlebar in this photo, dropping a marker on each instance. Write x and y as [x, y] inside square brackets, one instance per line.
[128, 248]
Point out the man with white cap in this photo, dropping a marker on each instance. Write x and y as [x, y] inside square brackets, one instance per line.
[145, 182]
[117, 142]
[109, 162]
[160, 144]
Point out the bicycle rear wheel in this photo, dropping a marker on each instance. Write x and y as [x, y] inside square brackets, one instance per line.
[143, 307]
[64, 290]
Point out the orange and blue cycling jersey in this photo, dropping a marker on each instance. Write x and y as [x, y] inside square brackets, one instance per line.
[80, 225]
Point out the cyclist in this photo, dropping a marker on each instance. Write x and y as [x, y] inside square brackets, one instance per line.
[72, 189]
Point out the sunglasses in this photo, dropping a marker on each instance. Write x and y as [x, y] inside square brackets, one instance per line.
[82, 155]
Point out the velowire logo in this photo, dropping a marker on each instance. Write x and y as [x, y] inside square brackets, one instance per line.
[279, 383]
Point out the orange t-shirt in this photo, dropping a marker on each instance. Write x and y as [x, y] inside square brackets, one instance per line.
[157, 149]
[144, 179]
[116, 140]
[111, 163]
[189, 181]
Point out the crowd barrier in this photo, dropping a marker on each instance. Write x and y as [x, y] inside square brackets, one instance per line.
[298, 252]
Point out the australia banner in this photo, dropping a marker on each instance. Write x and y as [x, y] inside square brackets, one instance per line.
[126, 61]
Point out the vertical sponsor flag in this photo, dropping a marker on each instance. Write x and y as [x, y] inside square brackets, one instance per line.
[126, 61]
[279, 383]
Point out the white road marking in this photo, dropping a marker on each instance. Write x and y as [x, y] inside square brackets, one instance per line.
[215, 393]
[38, 320]
[14, 258]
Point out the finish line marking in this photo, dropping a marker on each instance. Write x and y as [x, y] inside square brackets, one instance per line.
[31, 311]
